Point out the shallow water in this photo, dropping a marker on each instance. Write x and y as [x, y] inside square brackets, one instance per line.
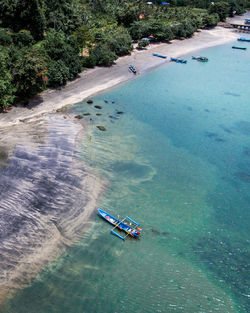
[175, 154]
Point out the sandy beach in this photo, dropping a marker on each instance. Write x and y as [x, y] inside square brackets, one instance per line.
[99, 79]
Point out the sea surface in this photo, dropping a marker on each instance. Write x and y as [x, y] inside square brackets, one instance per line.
[174, 154]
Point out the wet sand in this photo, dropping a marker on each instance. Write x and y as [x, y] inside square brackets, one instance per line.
[99, 79]
[47, 196]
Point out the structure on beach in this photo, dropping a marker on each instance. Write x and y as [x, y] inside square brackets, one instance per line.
[241, 27]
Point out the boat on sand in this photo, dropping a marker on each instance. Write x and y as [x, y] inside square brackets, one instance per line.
[132, 69]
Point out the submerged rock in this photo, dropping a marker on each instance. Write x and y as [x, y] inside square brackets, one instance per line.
[155, 231]
[245, 177]
[102, 128]
[79, 116]
[113, 117]
[247, 151]
[210, 134]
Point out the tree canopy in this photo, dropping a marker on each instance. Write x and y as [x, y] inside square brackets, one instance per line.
[47, 43]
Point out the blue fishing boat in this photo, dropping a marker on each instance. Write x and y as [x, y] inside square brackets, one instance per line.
[243, 39]
[159, 55]
[178, 60]
[129, 226]
[201, 59]
[132, 69]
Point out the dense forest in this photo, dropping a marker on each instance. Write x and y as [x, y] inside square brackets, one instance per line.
[47, 43]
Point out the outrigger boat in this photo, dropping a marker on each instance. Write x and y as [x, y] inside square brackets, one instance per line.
[201, 59]
[132, 69]
[159, 55]
[241, 48]
[178, 60]
[129, 226]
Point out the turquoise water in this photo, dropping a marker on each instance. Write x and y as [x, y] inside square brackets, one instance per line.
[176, 158]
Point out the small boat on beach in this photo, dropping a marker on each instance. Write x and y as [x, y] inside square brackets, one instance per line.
[178, 60]
[132, 69]
[159, 55]
[241, 48]
[129, 226]
[243, 39]
[199, 58]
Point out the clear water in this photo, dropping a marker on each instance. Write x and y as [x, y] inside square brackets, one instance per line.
[177, 160]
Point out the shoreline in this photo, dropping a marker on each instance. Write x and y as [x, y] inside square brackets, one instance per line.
[100, 79]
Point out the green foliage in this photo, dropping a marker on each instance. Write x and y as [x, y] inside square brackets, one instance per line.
[119, 42]
[7, 89]
[221, 8]
[157, 28]
[29, 72]
[61, 29]
[58, 73]
[103, 55]
[5, 37]
[57, 47]
[65, 15]
[127, 14]
[142, 44]
[88, 61]
[83, 36]
[23, 14]
[23, 38]
[211, 20]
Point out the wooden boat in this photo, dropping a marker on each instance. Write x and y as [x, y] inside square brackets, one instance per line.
[243, 39]
[178, 60]
[159, 55]
[201, 59]
[132, 69]
[129, 226]
[241, 48]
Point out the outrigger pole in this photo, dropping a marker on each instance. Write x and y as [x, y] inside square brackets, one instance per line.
[137, 224]
[113, 232]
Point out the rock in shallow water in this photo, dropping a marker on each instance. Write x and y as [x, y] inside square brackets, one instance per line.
[102, 128]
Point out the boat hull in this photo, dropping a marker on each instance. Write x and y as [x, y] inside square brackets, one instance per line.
[243, 39]
[178, 60]
[159, 55]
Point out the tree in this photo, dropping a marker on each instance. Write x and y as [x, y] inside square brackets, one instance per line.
[142, 44]
[7, 89]
[65, 15]
[211, 20]
[83, 36]
[127, 14]
[119, 42]
[58, 73]
[58, 47]
[29, 72]
[103, 55]
[23, 14]
[221, 8]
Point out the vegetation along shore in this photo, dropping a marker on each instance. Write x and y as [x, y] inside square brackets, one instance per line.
[46, 44]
